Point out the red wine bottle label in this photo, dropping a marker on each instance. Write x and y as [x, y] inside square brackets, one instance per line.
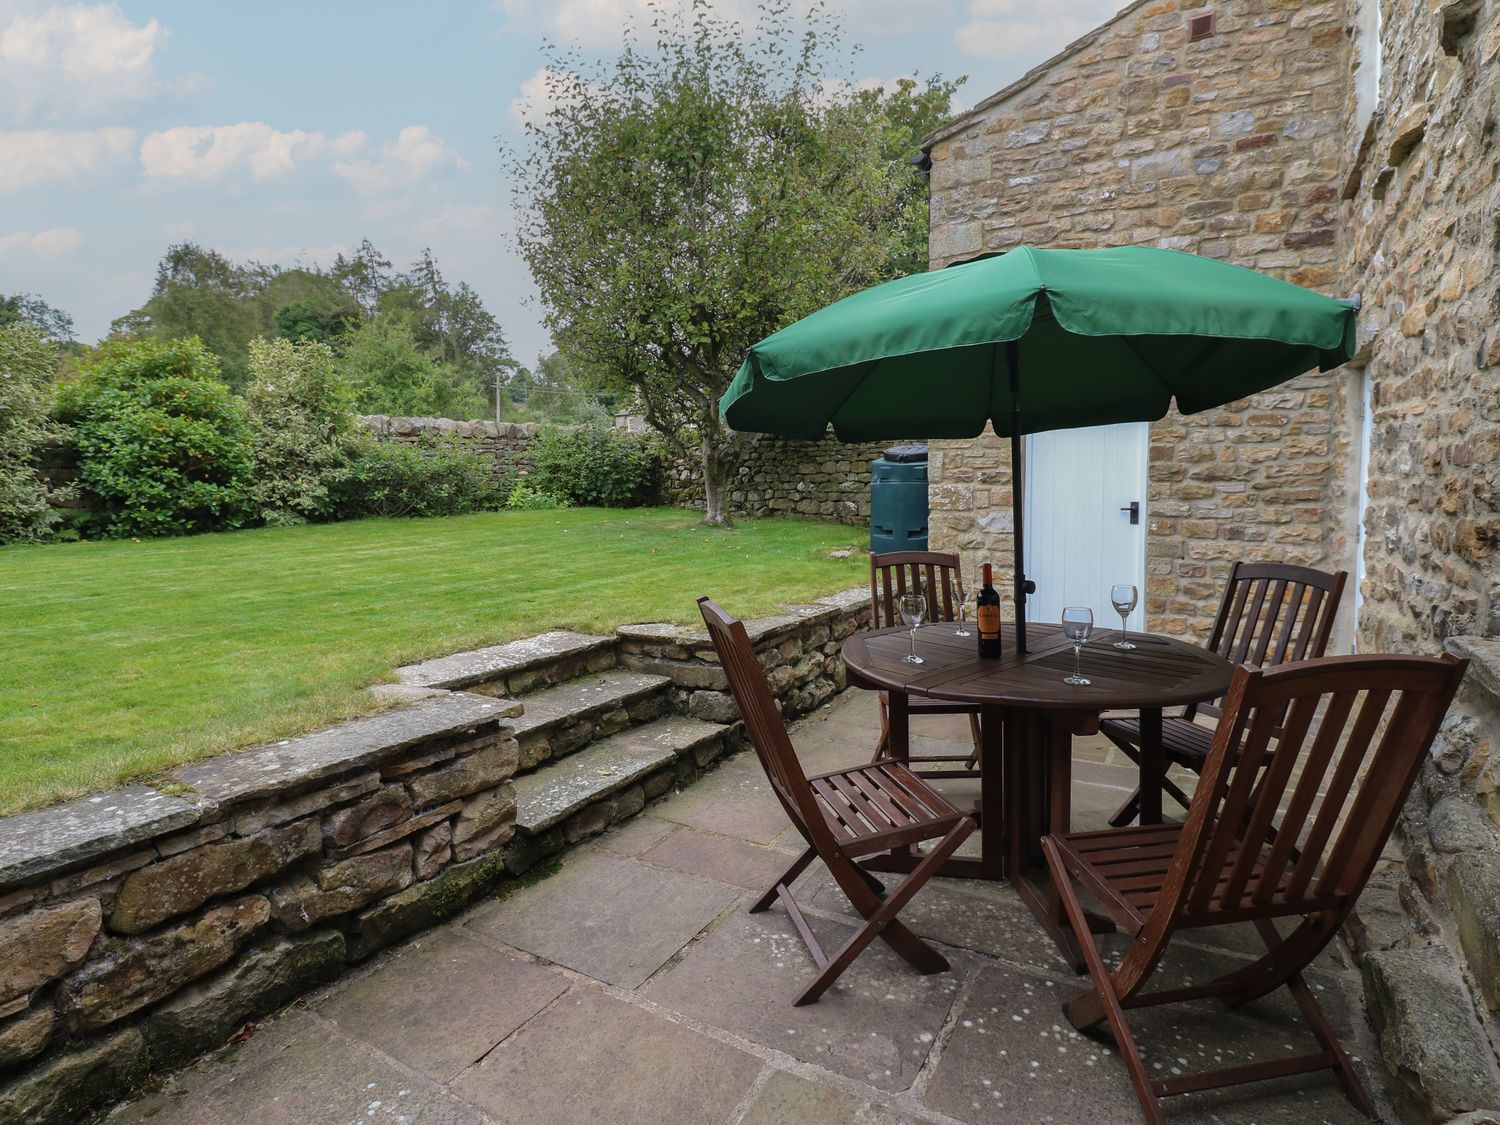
[989, 621]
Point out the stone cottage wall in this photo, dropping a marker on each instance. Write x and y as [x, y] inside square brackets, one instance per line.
[1227, 147]
[1420, 187]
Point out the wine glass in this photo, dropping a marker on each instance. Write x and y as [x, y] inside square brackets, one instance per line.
[961, 596]
[913, 610]
[1123, 597]
[1077, 623]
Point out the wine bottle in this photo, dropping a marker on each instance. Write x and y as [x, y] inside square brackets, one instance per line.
[987, 610]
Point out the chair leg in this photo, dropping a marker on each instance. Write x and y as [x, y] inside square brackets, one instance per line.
[786, 880]
[1114, 1014]
[883, 744]
[1128, 811]
[881, 920]
[975, 737]
[1343, 1069]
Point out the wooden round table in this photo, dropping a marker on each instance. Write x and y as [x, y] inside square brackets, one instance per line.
[1027, 720]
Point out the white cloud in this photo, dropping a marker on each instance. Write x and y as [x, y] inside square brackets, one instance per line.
[1024, 30]
[287, 254]
[412, 156]
[29, 157]
[66, 59]
[201, 154]
[54, 242]
[539, 93]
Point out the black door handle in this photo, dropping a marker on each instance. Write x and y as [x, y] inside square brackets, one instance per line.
[1134, 509]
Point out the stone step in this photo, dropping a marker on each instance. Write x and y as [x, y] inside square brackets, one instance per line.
[515, 667]
[559, 793]
[561, 720]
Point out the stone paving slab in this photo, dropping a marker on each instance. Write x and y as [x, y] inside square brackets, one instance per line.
[442, 1002]
[47, 840]
[296, 1071]
[785, 1098]
[877, 1023]
[591, 1058]
[734, 800]
[614, 920]
[721, 858]
[481, 664]
[636, 835]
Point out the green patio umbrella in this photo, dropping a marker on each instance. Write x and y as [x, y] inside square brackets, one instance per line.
[1035, 340]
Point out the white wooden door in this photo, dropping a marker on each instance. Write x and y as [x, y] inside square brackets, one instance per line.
[1080, 538]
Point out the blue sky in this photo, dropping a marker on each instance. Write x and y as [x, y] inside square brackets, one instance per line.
[286, 131]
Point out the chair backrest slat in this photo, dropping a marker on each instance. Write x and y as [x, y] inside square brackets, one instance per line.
[1271, 614]
[895, 573]
[1240, 849]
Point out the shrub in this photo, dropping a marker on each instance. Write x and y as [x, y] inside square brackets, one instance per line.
[434, 477]
[596, 465]
[524, 498]
[301, 415]
[163, 447]
[27, 362]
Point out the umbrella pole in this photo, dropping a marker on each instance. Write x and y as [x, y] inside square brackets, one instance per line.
[1017, 492]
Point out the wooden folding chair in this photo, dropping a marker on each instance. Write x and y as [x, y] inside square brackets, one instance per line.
[938, 576]
[1261, 841]
[1271, 613]
[841, 815]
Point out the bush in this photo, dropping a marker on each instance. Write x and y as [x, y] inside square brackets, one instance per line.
[524, 498]
[301, 415]
[596, 465]
[435, 477]
[27, 362]
[163, 447]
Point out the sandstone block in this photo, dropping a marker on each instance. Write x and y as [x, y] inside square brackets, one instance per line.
[154, 968]
[423, 904]
[384, 808]
[68, 1087]
[203, 1015]
[337, 888]
[482, 770]
[483, 813]
[24, 1035]
[1473, 887]
[432, 850]
[44, 944]
[185, 882]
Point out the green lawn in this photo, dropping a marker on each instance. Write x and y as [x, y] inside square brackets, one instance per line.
[125, 658]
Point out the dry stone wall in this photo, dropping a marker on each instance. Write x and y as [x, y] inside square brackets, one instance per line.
[781, 477]
[508, 443]
[1228, 147]
[141, 927]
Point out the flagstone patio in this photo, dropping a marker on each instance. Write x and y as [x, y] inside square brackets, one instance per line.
[631, 985]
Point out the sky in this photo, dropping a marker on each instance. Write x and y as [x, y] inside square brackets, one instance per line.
[287, 132]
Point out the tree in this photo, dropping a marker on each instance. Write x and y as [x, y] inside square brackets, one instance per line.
[678, 205]
[391, 374]
[365, 275]
[27, 361]
[201, 293]
[28, 308]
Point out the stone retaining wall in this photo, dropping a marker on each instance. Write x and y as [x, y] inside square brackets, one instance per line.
[799, 651]
[142, 927]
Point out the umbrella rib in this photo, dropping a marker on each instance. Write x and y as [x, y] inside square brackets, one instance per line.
[1146, 363]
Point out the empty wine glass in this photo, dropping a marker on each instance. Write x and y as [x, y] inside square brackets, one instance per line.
[1077, 623]
[913, 610]
[961, 596]
[1123, 597]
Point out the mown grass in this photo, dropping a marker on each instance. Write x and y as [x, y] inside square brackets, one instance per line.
[125, 658]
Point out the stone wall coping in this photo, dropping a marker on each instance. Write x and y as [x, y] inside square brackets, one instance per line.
[758, 628]
[481, 665]
[1483, 654]
[296, 763]
[47, 840]
[388, 424]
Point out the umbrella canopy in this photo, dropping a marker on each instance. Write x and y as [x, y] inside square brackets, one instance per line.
[1101, 336]
[1036, 340]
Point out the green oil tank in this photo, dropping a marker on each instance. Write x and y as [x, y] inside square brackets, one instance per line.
[898, 500]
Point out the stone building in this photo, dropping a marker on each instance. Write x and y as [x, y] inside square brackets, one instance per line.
[1350, 146]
